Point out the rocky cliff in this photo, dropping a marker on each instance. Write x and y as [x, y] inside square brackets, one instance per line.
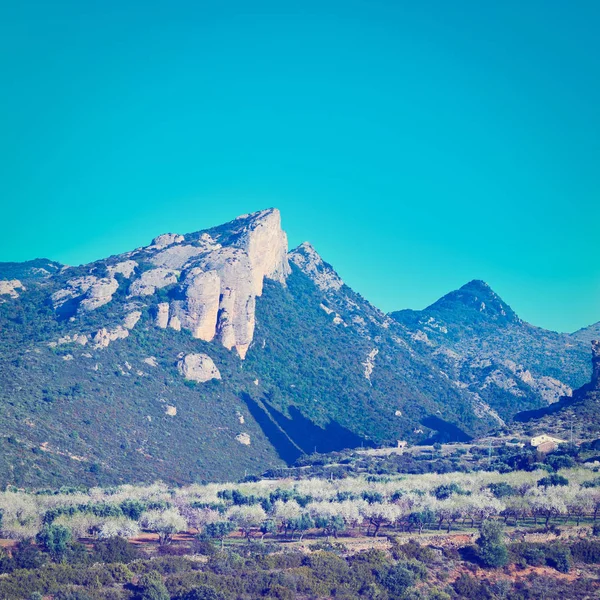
[213, 279]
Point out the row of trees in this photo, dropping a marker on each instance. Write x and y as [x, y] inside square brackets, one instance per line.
[290, 509]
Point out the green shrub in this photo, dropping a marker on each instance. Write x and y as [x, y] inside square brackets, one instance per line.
[587, 551]
[54, 538]
[492, 548]
[151, 587]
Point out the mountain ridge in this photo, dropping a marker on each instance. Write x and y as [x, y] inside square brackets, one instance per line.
[197, 356]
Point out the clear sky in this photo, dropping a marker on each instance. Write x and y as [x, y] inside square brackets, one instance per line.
[417, 145]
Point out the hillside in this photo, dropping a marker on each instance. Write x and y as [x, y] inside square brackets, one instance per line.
[576, 416]
[217, 353]
[475, 337]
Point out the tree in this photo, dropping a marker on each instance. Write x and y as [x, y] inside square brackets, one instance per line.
[219, 530]
[247, 517]
[302, 524]
[54, 538]
[492, 548]
[553, 480]
[152, 587]
[164, 522]
[420, 519]
[398, 580]
[268, 526]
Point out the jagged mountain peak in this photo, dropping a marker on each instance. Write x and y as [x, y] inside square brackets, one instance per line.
[308, 260]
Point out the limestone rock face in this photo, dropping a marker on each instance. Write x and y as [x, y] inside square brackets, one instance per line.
[99, 293]
[243, 438]
[162, 315]
[235, 326]
[131, 319]
[9, 288]
[199, 309]
[176, 256]
[166, 239]
[596, 364]
[218, 275]
[266, 245]
[125, 268]
[91, 291]
[103, 337]
[152, 280]
[198, 367]
[310, 263]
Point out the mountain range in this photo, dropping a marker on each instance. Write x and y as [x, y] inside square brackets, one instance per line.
[219, 353]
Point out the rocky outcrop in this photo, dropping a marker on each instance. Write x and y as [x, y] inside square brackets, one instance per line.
[162, 315]
[243, 438]
[99, 293]
[131, 319]
[596, 364]
[76, 338]
[103, 337]
[91, 292]
[176, 257]
[152, 280]
[235, 324]
[222, 274]
[9, 288]
[266, 245]
[198, 368]
[369, 364]
[125, 268]
[166, 239]
[199, 308]
[306, 258]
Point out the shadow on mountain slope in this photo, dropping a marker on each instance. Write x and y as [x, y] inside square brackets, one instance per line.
[446, 432]
[296, 435]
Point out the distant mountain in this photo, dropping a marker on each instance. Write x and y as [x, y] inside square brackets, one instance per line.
[588, 334]
[481, 343]
[212, 354]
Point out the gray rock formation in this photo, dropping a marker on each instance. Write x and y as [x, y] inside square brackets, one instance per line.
[131, 319]
[125, 268]
[99, 293]
[596, 364]
[103, 337]
[309, 261]
[166, 239]
[222, 276]
[198, 367]
[92, 292]
[162, 315]
[152, 280]
[199, 309]
[9, 288]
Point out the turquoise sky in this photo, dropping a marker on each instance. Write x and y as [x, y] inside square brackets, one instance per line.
[417, 145]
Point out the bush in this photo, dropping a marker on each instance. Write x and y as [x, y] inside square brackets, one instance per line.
[203, 592]
[559, 557]
[54, 538]
[116, 549]
[492, 549]
[586, 551]
[152, 587]
[553, 480]
[398, 580]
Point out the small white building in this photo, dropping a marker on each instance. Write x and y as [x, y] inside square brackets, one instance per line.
[543, 439]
